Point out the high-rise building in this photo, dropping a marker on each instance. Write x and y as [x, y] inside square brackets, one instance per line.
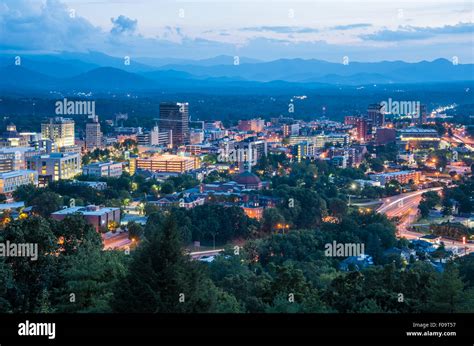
[60, 131]
[304, 150]
[155, 137]
[422, 115]
[175, 117]
[93, 135]
[361, 130]
[374, 113]
[248, 152]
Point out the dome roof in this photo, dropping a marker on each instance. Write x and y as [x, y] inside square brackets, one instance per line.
[247, 178]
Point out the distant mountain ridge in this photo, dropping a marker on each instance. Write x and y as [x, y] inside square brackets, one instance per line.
[299, 70]
[97, 71]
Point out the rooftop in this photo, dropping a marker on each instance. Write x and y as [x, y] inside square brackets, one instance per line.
[17, 149]
[100, 164]
[417, 130]
[394, 174]
[168, 157]
[16, 173]
[247, 178]
[89, 210]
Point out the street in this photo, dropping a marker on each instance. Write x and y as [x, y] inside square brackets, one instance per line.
[405, 206]
[120, 241]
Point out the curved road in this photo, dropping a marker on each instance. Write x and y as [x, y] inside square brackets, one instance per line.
[405, 206]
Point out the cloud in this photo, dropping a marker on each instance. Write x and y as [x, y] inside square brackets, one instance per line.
[47, 27]
[405, 33]
[123, 24]
[36, 25]
[351, 26]
[281, 29]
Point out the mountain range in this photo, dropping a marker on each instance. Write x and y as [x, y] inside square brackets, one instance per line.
[95, 71]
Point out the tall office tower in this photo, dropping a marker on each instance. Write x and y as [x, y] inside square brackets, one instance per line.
[155, 135]
[422, 115]
[93, 135]
[362, 130]
[175, 117]
[248, 152]
[374, 113]
[60, 131]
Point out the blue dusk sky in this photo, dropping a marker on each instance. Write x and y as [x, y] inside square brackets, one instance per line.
[371, 30]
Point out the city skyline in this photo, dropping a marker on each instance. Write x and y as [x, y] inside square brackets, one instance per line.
[306, 164]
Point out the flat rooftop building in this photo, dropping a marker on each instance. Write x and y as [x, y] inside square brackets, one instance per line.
[98, 217]
[403, 177]
[55, 166]
[417, 138]
[103, 169]
[9, 181]
[168, 163]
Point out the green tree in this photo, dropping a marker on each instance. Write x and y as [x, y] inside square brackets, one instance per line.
[89, 277]
[162, 279]
[376, 165]
[337, 207]
[424, 209]
[46, 203]
[167, 188]
[24, 192]
[30, 276]
[271, 218]
[446, 291]
[73, 231]
[135, 230]
[447, 207]
[466, 269]
[6, 284]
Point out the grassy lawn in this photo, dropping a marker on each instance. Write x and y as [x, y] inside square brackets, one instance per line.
[431, 220]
